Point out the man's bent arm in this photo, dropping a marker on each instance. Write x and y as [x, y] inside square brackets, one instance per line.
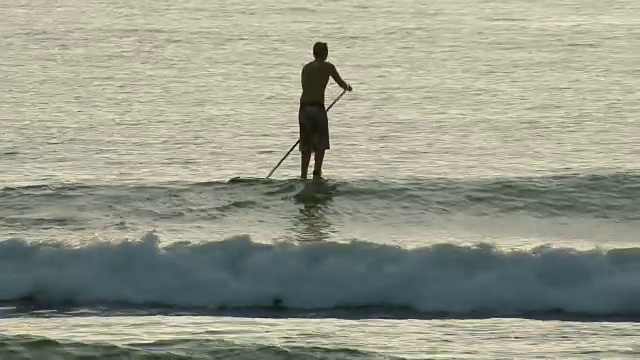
[336, 77]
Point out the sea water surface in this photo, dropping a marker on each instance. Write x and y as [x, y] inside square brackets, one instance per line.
[480, 200]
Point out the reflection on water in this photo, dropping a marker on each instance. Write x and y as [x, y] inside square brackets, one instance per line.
[312, 224]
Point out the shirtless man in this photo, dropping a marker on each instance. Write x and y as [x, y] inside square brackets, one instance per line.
[312, 116]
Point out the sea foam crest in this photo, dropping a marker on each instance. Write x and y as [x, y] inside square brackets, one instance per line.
[239, 272]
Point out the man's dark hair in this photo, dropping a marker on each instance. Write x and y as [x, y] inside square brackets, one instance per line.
[320, 50]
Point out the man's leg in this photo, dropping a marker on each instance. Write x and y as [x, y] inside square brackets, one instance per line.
[317, 166]
[322, 140]
[306, 137]
[305, 158]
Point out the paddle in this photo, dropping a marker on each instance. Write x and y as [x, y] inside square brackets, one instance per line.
[297, 142]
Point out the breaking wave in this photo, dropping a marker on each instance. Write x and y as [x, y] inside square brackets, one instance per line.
[239, 273]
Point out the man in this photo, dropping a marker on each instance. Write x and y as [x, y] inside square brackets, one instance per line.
[312, 115]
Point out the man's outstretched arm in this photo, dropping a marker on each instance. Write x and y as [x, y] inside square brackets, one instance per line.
[338, 79]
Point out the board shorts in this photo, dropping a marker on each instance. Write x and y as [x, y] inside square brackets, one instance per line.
[314, 128]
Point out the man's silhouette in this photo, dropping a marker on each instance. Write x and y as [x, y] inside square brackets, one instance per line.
[312, 116]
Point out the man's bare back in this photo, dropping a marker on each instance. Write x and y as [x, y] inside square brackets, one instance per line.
[315, 77]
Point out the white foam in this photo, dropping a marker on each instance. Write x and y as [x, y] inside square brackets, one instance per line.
[239, 272]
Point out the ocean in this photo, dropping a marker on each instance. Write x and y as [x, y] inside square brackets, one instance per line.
[480, 200]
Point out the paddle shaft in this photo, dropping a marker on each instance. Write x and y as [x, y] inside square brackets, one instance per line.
[297, 142]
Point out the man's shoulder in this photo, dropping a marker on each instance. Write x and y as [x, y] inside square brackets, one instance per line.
[328, 64]
[318, 67]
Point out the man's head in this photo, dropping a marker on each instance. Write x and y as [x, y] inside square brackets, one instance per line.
[320, 50]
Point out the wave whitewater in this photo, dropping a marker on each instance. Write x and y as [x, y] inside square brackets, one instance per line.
[238, 273]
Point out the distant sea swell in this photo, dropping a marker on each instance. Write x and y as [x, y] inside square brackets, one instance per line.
[330, 278]
[23, 347]
[609, 196]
